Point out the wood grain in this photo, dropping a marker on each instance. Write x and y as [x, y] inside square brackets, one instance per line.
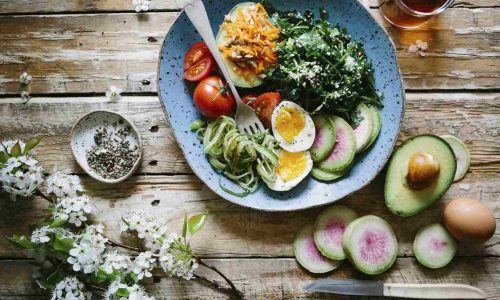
[233, 231]
[279, 278]
[87, 53]
[473, 117]
[109, 6]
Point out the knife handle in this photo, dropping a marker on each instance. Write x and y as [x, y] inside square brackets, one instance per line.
[433, 291]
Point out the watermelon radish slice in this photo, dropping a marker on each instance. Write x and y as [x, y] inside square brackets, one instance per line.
[325, 138]
[377, 126]
[433, 246]
[462, 155]
[363, 132]
[344, 149]
[329, 229]
[370, 244]
[327, 176]
[308, 255]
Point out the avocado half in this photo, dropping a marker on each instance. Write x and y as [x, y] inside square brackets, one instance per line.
[238, 80]
[399, 197]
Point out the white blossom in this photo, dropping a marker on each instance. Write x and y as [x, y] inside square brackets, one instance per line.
[87, 250]
[20, 176]
[146, 226]
[114, 93]
[25, 96]
[73, 209]
[116, 261]
[135, 292]
[419, 47]
[63, 185]
[141, 5]
[25, 78]
[41, 235]
[143, 264]
[70, 288]
[174, 261]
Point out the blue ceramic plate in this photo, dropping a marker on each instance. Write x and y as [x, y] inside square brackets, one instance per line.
[176, 98]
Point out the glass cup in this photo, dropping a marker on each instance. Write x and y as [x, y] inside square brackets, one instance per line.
[410, 14]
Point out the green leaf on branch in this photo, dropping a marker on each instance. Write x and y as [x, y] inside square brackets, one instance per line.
[31, 144]
[22, 241]
[57, 222]
[131, 278]
[100, 276]
[55, 277]
[4, 157]
[16, 150]
[63, 244]
[122, 292]
[197, 222]
[184, 226]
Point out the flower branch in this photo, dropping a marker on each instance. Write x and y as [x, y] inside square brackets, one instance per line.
[75, 257]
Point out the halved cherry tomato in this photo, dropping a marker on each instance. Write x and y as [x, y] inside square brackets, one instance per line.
[213, 98]
[198, 62]
[249, 99]
[264, 106]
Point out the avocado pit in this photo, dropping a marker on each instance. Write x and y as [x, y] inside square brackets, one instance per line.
[423, 170]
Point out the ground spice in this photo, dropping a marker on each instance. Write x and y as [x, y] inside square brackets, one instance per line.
[112, 156]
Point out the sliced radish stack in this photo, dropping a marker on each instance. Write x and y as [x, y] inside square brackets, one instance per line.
[308, 255]
[329, 229]
[433, 246]
[370, 244]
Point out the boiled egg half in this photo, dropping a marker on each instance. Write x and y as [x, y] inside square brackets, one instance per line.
[292, 127]
[292, 168]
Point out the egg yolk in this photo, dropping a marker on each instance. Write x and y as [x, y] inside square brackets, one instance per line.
[291, 164]
[289, 123]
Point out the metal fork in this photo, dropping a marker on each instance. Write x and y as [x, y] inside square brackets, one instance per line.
[246, 120]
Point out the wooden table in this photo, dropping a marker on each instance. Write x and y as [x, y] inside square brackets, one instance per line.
[76, 49]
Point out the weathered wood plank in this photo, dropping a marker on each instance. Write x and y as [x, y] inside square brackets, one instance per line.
[61, 6]
[90, 52]
[236, 231]
[64, 6]
[473, 117]
[278, 279]
[458, 3]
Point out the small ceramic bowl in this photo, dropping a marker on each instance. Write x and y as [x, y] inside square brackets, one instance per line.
[82, 139]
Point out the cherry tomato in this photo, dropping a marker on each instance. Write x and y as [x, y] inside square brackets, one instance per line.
[249, 99]
[213, 98]
[264, 106]
[198, 62]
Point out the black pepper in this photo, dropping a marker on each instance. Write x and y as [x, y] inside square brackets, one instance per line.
[112, 156]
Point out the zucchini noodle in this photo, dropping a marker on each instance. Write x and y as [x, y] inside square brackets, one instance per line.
[241, 157]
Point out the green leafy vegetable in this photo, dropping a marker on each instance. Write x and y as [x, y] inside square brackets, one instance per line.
[319, 66]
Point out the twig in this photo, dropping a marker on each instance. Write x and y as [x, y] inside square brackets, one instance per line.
[44, 196]
[124, 246]
[214, 284]
[236, 292]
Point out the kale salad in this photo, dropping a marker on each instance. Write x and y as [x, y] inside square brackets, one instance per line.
[319, 66]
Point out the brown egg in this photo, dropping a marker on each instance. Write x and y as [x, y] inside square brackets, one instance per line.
[469, 220]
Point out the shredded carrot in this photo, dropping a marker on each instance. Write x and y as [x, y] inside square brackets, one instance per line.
[250, 40]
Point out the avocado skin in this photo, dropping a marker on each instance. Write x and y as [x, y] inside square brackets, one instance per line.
[400, 211]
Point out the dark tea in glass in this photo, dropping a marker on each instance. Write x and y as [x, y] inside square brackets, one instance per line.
[412, 13]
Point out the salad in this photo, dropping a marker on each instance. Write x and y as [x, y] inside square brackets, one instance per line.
[309, 83]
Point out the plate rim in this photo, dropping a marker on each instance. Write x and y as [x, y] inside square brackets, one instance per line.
[285, 208]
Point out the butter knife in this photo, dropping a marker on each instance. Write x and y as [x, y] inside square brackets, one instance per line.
[402, 290]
